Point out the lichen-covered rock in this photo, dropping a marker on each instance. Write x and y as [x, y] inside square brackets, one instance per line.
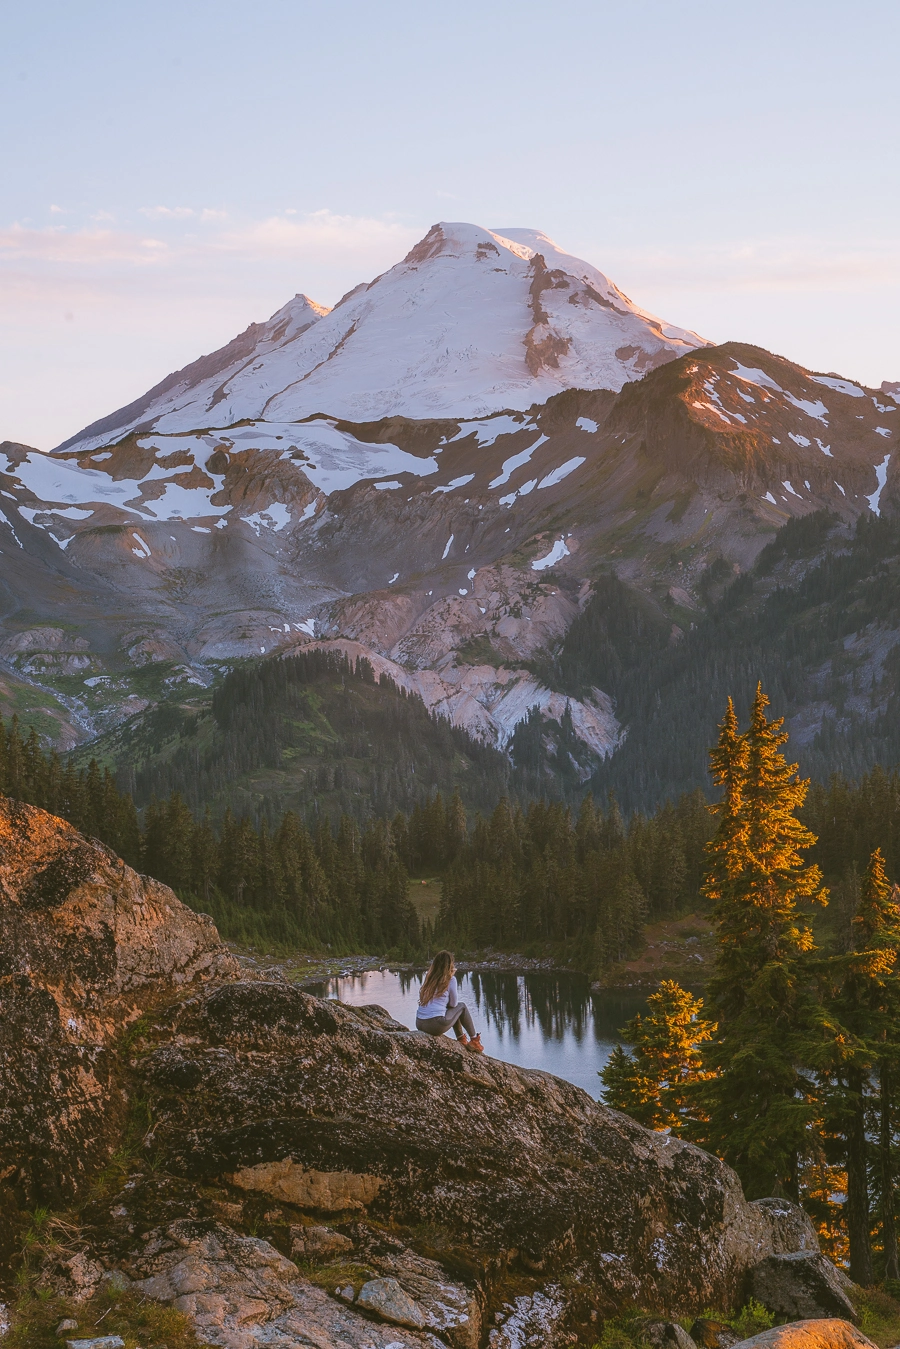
[388, 1300]
[792, 1228]
[318, 1243]
[79, 1276]
[537, 1319]
[826, 1333]
[101, 1342]
[802, 1284]
[450, 1307]
[324, 1191]
[85, 945]
[241, 1293]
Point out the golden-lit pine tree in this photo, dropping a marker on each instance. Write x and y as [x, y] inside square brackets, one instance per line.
[652, 1084]
[759, 1103]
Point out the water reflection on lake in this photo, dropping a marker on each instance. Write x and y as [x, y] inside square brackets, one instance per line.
[536, 1020]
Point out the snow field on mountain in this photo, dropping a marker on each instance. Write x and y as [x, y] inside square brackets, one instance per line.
[470, 323]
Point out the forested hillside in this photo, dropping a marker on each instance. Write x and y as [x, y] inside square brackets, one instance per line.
[817, 620]
[537, 877]
[314, 732]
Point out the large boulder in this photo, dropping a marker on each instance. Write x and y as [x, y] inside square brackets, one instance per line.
[827, 1333]
[710, 1334]
[86, 944]
[802, 1284]
[664, 1335]
[339, 1110]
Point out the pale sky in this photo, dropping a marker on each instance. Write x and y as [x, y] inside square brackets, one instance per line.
[170, 172]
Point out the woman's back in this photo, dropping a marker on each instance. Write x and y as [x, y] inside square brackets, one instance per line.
[439, 1003]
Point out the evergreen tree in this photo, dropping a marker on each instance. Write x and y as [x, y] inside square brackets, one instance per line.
[456, 829]
[759, 1102]
[652, 1085]
[876, 929]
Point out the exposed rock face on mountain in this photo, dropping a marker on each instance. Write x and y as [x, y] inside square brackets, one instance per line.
[451, 1179]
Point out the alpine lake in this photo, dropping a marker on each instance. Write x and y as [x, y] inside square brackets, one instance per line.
[541, 1019]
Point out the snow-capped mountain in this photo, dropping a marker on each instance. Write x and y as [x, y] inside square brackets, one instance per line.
[431, 474]
[453, 552]
[471, 322]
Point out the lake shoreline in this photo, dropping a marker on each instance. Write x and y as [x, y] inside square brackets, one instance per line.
[302, 969]
[682, 949]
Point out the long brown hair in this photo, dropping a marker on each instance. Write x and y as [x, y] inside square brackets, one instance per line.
[436, 981]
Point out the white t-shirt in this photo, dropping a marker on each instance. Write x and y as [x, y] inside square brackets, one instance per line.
[439, 1004]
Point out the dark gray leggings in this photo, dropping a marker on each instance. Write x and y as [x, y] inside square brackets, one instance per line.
[439, 1025]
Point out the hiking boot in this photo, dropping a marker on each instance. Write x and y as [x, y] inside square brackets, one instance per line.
[475, 1044]
[463, 1040]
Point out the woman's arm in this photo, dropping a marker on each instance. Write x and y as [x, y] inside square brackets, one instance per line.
[452, 993]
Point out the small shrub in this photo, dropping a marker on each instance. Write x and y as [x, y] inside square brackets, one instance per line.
[621, 1332]
[751, 1319]
[614, 1336]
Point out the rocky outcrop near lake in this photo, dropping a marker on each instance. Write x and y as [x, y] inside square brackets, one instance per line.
[286, 1170]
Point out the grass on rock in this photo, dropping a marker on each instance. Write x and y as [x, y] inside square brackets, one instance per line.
[141, 1322]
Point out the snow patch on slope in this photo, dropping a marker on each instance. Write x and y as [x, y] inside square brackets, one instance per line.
[556, 554]
[881, 477]
[840, 385]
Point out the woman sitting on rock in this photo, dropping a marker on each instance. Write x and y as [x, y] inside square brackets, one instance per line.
[440, 1007]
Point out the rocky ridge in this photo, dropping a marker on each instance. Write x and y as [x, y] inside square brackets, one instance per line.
[302, 1172]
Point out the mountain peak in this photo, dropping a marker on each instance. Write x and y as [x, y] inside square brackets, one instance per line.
[460, 239]
[471, 322]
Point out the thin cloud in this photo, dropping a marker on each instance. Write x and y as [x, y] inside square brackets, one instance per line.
[775, 265]
[127, 273]
[320, 238]
[323, 231]
[22, 245]
[167, 212]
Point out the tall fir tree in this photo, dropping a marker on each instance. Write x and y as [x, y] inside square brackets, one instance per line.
[760, 1102]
